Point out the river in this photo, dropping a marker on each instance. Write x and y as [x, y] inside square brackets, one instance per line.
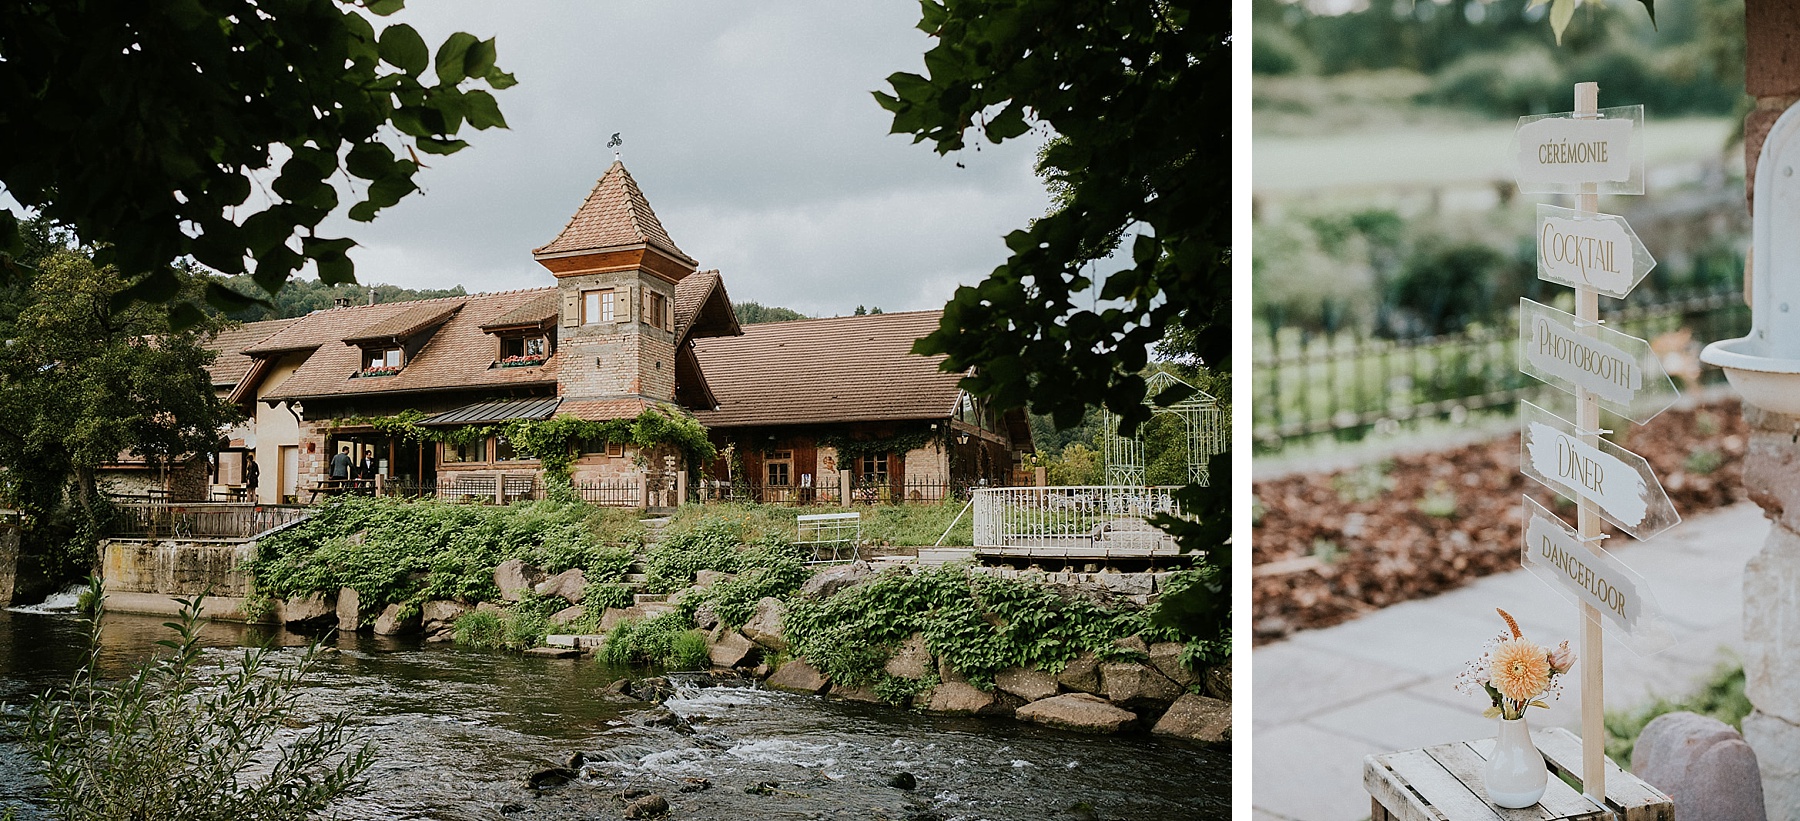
[457, 731]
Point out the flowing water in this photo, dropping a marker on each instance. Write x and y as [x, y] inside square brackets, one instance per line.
[458, 731]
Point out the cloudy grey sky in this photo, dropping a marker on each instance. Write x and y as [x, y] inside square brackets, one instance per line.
[751, 129]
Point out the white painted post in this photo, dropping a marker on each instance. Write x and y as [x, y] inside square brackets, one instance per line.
[1587, 419]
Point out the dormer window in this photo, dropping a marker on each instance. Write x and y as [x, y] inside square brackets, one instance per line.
[523, 351]
[382, 361]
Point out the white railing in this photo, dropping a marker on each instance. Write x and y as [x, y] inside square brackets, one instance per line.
[1094, 520]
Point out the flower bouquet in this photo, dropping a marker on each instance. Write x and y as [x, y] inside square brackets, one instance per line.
[1515, 673]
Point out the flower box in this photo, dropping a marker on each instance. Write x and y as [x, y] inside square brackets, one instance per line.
[364, 374]
[519, 362]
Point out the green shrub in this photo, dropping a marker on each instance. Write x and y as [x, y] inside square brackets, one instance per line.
[408, 552]
[480, 629]
[712, 545]
[664, 640]
[177, 741]
[689, 651]
[977, 624]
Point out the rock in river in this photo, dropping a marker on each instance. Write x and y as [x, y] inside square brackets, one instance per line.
[1080, 712]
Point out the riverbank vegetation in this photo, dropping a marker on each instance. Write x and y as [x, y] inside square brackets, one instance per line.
[410, 552]
[182, 738]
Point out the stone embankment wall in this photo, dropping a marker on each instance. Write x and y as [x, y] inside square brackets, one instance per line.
[144, 576]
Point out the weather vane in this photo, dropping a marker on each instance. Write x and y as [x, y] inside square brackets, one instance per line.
[614, 144]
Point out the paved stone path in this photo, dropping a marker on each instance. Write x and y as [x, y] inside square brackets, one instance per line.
[1325, 698]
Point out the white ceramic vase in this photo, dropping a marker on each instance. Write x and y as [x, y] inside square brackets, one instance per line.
[1514, 775]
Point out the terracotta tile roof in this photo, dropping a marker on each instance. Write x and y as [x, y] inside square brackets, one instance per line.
[616, 213]
[456, 357]
[700, 298]
[598, 410]
[231, 363]
[423, 316]
[817, 371]
[539, 311]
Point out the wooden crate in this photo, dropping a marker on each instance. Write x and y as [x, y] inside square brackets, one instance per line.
[1443, 783]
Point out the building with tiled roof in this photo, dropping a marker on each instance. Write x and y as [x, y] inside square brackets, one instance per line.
[629, 324]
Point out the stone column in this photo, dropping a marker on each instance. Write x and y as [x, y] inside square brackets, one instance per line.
[1772, 463]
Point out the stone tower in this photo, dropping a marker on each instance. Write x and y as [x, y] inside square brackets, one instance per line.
[616, 271]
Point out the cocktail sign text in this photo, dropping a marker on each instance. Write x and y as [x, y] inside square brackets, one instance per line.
[1600, 251]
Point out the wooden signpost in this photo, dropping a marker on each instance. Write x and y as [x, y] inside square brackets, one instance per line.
[1586, 153]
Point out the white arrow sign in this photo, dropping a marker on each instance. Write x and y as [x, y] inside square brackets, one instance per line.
[1557, 153]
[1618, 482]
[1586, 574]
[1618, 369]
[1577, 248]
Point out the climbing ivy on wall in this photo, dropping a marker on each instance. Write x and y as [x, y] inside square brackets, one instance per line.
[899, 443]
[554, 442]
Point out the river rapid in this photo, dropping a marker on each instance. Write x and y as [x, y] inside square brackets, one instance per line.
[458, 731]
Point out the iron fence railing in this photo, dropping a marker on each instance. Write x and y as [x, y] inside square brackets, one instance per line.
[1347, 385]
[1085, 518]
[863, 492]
[203, 520]
[612, 494]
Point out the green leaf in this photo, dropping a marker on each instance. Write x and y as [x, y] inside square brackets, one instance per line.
[499, 80]
[480, 59]
[403, 48]
[370, 161]
[1561, 12]
[383, 8]
[482, 110]
[450, 57]
[432, 145]
[1650, 6]
[1009, 123]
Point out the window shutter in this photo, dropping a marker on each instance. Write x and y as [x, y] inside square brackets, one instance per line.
[571, 313]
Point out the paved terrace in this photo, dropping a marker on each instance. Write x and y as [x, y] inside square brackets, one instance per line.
[1323, 699]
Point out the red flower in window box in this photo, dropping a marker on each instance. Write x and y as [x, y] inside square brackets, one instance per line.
[386, 370]
[520, 361]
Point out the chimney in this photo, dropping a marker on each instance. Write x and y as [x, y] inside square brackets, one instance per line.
[340, 302]
[371, 295]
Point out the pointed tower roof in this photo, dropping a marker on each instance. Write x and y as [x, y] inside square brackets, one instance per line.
[616, 215]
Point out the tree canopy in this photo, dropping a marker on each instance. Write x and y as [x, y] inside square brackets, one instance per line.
[1137, 99]
[148, 127]
[83, 381]
[1138, 96]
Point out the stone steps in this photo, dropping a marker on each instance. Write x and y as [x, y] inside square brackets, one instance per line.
[650, 598]
[637, 578]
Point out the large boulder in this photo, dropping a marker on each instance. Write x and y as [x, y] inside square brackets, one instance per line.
[349, 610]
[1082, 674]
[1136, 686]
[391, 622]
[731, 649]
[436, 615]
[1701, 763]
[1028, 684]
[1165, 656]
[912, 660]
[833, 580]
[308, 611]
[800, 677]
[569, 584]
[863, 694]
[1134, 645]
[708, 578]
[1080, 712]
[1207, 720]
[568, 615]
[515, 578]
[961, 698]
[764, 624]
